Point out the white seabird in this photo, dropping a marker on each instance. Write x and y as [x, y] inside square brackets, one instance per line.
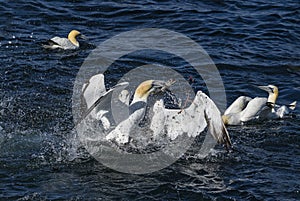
[174, 122]
[98, 101]
[190, 121]
[69, 43]
[137, 110]
[245, 109]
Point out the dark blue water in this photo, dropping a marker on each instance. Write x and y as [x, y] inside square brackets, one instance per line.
[251, 43]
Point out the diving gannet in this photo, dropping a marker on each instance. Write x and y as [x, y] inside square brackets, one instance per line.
[137, 110]
[191, 121]
[245, 109]
[69, 43]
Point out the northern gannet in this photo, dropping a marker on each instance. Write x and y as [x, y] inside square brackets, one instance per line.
[69, 43]
[98, 101]
[137, 110]
[173, 122]
[245, 109]
[191, 121]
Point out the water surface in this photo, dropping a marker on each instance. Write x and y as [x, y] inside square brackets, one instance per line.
[251, 43]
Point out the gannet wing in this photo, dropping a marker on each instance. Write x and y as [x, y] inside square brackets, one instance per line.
[292, 106]
[191, 121]
[256, 108]
[238, 105]
[59, 41]
[102, 104]
[215, 123]
[50, 44]
[93, 89]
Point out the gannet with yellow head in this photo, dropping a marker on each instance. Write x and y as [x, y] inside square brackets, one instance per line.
[273, 94]
[69, 43]
[245, 109]
[137, 110]
[192, 120]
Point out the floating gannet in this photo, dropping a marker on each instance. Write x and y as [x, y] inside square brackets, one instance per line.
[245, 109]
[137, 110]
[69, 43]
[191, 121]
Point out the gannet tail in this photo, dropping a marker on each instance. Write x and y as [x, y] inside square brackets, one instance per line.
[49, 44]
[292, 106]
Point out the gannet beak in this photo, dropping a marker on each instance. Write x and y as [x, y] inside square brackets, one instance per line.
[158, 85]
[266, 88]
[161, 86]
[83, 37]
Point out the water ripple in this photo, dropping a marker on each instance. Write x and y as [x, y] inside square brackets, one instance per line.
[251, 42]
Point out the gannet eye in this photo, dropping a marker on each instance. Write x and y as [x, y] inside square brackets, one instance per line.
[271, 89]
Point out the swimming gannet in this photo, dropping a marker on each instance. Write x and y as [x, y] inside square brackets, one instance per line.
[69, 43]
[137, 110]
[191, 121]
[245, 109]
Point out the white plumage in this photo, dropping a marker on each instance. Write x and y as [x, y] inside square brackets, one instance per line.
[245, 109]
[172, 122]
[69, 43]
[98, 99]
[191, 121]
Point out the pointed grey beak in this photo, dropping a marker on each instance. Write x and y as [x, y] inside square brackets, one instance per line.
[266, 88]
[83, 37]
[161, 86]
[157, 85]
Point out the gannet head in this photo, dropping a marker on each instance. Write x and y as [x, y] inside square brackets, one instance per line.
[273, 93]
[72, 37]
[146, 88]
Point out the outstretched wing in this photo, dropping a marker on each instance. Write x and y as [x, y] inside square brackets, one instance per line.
[191, 121]
[97, 99]
[214, 120]
[93, 89]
